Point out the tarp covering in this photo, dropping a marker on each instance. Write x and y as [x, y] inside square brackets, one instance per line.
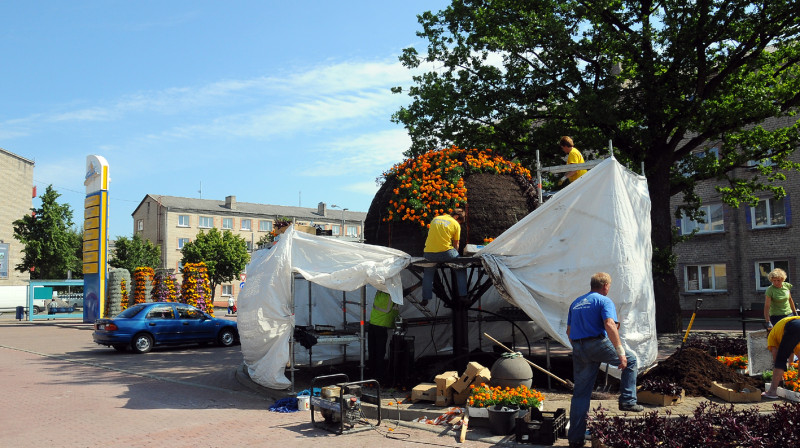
[265, 315]
[599, 223]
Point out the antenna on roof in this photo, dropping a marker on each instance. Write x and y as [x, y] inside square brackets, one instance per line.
[201, 190]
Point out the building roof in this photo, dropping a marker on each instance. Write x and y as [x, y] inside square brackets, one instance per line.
[17, 156]
[194, 205]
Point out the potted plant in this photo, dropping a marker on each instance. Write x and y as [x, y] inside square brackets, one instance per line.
[484, 396]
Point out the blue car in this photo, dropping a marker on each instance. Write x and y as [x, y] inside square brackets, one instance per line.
[145, 325]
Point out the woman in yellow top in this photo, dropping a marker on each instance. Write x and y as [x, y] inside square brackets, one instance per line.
[573, 156]
[783, 340]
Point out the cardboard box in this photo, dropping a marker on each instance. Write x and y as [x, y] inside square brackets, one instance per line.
[647, 397]
[445, 381]
[732, 393]
[445, 399]
[484, 376]
[423, 392]
[460, 398]
[468, 377]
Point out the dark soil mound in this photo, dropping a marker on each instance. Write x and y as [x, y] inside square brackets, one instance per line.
[694, 370]
[495, 202]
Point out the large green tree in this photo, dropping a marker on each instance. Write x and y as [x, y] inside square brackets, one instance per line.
[52, 246]
[135, 252]
[662, 80]
[225, 255]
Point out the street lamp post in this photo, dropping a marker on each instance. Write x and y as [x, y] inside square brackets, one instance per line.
[343, 210]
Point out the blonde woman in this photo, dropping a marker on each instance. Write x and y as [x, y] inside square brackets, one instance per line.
[778, 301]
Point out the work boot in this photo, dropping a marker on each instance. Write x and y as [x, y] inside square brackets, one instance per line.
[631, 407]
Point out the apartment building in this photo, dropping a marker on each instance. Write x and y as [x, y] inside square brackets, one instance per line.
[16, 183]
[726, 263]
[170, 222]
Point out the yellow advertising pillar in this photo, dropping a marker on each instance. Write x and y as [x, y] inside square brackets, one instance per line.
[95, 238]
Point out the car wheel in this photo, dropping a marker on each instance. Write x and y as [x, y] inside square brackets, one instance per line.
[142, 343]
[36, 310]
[120, 347]
[226, 337]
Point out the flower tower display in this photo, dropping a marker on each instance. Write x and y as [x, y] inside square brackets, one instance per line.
[164, 289]
[495, 192]
[119, 280]
[196, 288]
[142, 280]
[124, 293]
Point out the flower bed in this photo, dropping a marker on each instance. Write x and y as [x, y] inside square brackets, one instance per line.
[711, 425]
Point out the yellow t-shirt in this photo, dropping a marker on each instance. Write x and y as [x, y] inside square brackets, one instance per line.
[444, 229]
[575, 156]
[776, 334]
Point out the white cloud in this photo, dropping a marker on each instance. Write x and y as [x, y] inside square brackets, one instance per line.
[367, 153]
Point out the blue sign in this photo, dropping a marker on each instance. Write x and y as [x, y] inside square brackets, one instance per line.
[241, 285]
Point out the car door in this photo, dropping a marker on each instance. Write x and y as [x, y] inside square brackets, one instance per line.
[161, 322]
[194, 325]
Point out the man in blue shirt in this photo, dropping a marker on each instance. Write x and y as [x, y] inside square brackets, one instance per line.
[592, 331]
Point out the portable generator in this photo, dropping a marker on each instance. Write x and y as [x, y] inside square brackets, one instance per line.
[340, 403]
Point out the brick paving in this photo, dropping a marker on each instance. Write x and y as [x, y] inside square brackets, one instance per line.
[61, 389]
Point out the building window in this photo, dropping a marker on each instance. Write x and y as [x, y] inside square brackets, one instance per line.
[182, 242]
[227, 290]
[227, 223]
[699, 157]
[336, 229]
[708, 277]
[352, 231]
[712, 215]
[763, 268]
[245, 224]
[183, 220]
[206, 222]
[249, 246]
[264, 226]
[769, 213]
[140, 225]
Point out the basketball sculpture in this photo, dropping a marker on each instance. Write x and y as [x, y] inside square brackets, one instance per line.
[495, 192]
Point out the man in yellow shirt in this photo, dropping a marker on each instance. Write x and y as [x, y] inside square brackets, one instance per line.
[441, 246]
[573, 156]
[783, 340]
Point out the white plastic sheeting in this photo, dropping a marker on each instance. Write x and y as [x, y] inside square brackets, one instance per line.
[541, 264]
[265, 313]
[599, 223]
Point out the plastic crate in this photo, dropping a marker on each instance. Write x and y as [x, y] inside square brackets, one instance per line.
[542, 429]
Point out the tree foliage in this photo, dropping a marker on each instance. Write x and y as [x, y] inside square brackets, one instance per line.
[52, 246]
[131, 253]
[662, 80]
[224, 254]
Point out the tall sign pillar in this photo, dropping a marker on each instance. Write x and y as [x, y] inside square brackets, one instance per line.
[95, 238]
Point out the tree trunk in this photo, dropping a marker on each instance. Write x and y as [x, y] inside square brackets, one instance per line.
[665, 284]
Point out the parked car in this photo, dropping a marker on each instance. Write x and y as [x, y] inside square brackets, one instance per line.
[145, 325]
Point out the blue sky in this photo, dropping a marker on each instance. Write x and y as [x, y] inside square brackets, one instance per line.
[275, 102]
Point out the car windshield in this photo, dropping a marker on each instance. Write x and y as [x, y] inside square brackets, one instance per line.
[131, 312]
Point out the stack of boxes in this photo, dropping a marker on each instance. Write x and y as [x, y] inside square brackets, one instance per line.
[449, 388]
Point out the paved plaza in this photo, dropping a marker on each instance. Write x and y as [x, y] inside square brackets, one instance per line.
[61, 389]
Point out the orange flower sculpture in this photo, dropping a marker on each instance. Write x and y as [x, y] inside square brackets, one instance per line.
[141, 276]
[433, 183]
[483, 396]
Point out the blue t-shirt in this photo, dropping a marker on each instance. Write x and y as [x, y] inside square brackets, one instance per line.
[587, 315]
